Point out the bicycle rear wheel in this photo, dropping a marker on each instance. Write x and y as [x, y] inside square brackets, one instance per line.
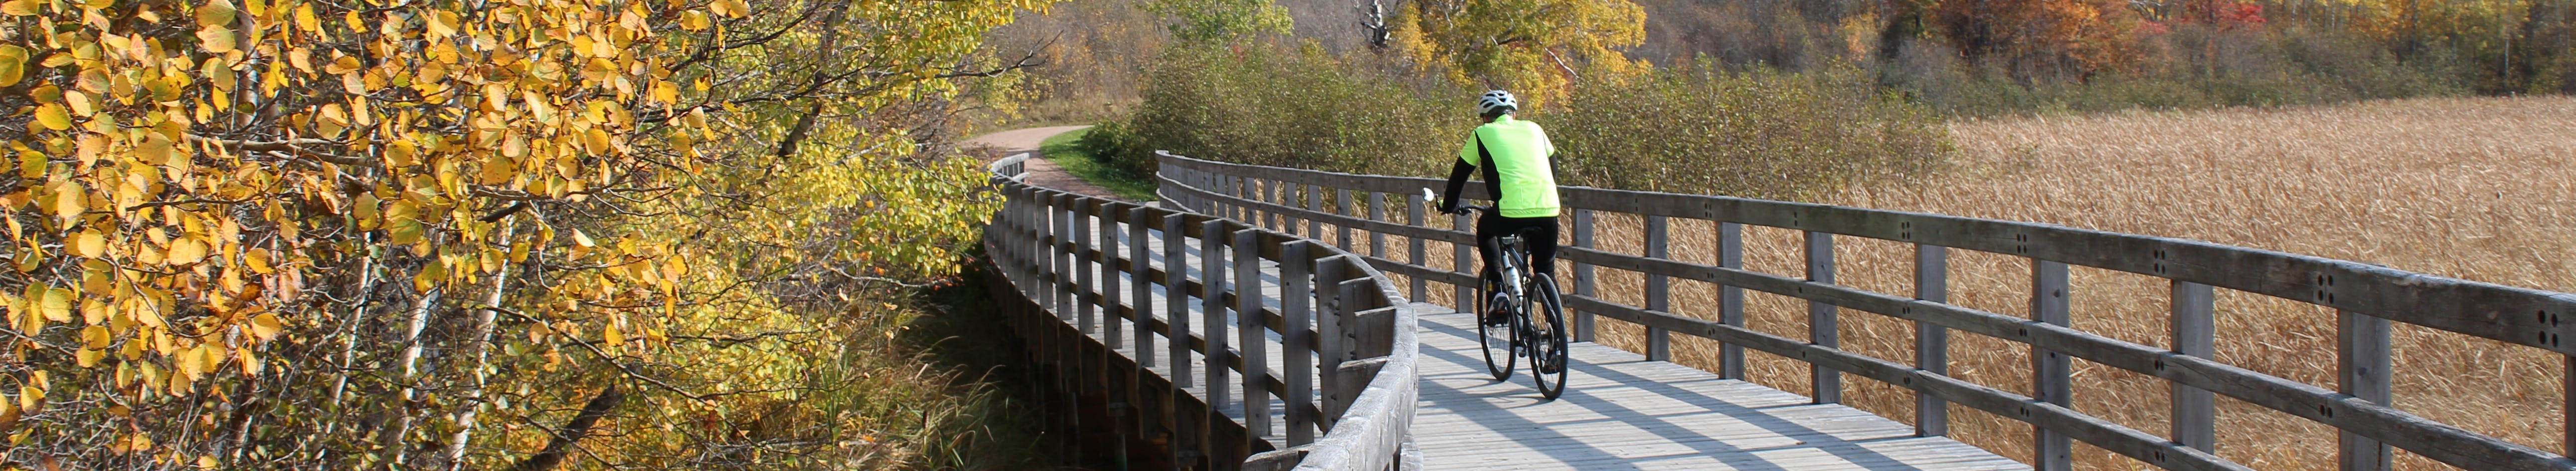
[1548, 359]
[1498, 337]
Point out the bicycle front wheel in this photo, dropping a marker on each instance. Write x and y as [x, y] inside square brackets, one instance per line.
[1548, 359]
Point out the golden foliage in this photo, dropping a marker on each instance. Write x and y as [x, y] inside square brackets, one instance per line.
[389, 221]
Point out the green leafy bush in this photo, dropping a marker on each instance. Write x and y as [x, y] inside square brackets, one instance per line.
[1112, 144]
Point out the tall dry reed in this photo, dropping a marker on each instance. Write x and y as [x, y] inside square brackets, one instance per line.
[2481, 189]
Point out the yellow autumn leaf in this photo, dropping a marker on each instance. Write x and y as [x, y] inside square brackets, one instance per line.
[30, 397]
[216, 39]
[583, 239]
[186, 251]
[257, 259]
[693, 20]
[96, 336]
[56, 305]
[612, 336]
[53, 117]
[443, 24]
[21, 7]
[70, 201]
[215, 13]
[89, 244]
[13, 60]
[266, 326]
[190, 366]
[86, 357]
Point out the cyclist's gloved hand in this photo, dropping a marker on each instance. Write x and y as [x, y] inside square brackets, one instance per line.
[1448, 206]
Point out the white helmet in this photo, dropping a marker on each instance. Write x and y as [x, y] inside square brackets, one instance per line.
[1496, 100]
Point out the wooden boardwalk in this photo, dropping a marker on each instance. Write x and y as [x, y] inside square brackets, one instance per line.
[1619, 411]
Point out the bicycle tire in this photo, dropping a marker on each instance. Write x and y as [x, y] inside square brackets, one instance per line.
[1548, 355]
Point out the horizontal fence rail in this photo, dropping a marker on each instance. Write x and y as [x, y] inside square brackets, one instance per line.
[1345, 336]
[2368, 297]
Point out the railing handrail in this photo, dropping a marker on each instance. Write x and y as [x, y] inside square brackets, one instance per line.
[1368, 337]
[2369, 295]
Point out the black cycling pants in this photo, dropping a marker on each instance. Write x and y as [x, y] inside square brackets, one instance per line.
[1538, 236]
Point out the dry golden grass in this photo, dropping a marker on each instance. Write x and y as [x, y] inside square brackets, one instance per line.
[2482, 189]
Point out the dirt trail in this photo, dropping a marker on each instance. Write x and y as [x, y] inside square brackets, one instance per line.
[1042, 172]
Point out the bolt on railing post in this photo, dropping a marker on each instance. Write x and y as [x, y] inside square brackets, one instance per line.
[1659, 343]
[1931, 341]
[2362, 359]
[2052, 451]
[2195, 410]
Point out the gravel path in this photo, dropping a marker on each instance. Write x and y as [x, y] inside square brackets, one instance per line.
[1042, 172]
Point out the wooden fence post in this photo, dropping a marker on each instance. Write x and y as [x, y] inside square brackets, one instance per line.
[1249, 327]
[1659, 344]
[1931, 341]
[1296, 346]
[1822, 325]
[1342, 232]
[1176, 334]
[1212, 324]
[1084, 265]
[1467, 293]
[1330, 340]
[2195, 410]
[2362, 362]
[1112, 335]
[1419, 218]
[1730, 299]
[2049, 369]
[1583, 321]
[1139, 272]
[1061, 250]
[1377, 212]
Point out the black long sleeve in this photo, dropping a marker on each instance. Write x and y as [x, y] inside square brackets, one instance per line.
[1457, 182]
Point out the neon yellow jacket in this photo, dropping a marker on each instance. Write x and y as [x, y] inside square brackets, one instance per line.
[1514, 156]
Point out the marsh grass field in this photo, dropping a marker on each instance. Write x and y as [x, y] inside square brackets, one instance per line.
[2475, 188]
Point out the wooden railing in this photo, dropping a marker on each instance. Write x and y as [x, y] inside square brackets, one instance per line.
[2367, 297]
[1346, 342]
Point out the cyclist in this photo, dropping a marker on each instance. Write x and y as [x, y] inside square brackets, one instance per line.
[1513, 156]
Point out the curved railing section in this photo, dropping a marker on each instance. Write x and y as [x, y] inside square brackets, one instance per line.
[1121, 279]
[2368, 298]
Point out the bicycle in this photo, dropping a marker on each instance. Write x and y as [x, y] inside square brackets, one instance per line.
[1534, 318]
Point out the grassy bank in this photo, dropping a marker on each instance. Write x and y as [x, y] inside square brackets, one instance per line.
[1068, 152]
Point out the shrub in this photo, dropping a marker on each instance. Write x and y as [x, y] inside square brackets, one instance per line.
[1690, 130]
[1295, 107]
[1759, 134]
[1112, 144]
